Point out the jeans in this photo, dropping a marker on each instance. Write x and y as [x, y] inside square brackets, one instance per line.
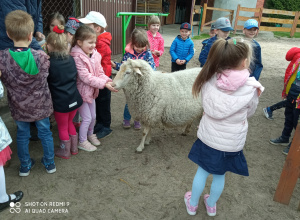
[127, 115]
[44, 134]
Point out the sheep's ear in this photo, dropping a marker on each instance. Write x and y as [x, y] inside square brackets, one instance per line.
[138, 71]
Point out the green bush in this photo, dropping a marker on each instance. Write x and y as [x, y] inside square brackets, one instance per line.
[286, 5]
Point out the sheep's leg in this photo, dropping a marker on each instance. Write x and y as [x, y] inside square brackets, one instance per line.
[141, 146]
[187, 129]
[148, 138]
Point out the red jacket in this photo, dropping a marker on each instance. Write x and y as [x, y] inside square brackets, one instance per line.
[103, 47]
[292, 55]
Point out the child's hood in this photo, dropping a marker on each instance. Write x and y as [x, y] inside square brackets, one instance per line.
[105, 37]
[295, 51]
[231, 80]
[219, 104]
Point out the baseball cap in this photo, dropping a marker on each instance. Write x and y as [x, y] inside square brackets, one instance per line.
[212, 27]
[185, 25]
[251, 23]
[223, 24]
[72, 25]
[94, 17]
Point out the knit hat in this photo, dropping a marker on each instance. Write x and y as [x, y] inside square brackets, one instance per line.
[251, 23]
[72, 25]
[185, 25]
[223, 24]
[94, 17]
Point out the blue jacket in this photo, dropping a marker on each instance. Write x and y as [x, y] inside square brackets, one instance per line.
[32, 7]
[132, 54]
[204, 53]
[182, 49]
[256, 65]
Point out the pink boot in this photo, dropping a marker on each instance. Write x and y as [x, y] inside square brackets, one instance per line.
[74, 144]
[64, 150]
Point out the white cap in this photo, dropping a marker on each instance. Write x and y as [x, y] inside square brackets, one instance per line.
[94, 17]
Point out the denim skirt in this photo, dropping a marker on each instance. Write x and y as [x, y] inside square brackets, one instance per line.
[218, 162]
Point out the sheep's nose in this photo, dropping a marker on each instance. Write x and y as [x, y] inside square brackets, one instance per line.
[113, 84]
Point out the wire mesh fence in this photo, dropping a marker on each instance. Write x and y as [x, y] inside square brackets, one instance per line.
[65, 7]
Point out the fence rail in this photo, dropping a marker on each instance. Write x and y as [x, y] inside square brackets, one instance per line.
[260, 18]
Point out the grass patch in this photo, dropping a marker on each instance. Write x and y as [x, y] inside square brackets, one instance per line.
[201, 36]
[285, 34]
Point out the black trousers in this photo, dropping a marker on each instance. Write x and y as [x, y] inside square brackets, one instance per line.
[279, 105]
[103, 115]
[291, 116]
[175, 67]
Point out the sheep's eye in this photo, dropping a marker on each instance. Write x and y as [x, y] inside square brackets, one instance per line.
[127, 72]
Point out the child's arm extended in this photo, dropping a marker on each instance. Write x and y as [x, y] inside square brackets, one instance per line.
[87, 77]
[116, 65]
[150, 60]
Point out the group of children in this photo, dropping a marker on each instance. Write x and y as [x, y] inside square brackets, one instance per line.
[75, 76]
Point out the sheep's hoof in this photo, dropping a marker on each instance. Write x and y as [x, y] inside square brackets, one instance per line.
[138, 152]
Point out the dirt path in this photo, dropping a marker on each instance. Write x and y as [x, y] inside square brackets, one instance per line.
[116, 183]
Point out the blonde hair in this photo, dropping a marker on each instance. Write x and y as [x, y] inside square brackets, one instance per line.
[19, 25]
[58, 42]
[84, 32]
[139, 38]
[223, 55]
[153, 20]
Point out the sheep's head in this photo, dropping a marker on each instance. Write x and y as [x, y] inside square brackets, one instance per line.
[129, 69]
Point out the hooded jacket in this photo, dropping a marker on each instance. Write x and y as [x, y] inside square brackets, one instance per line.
[5, 138]
[224, 122]
[28, 94]
[293, 55]
[90, 76]
[156, 43]
[103, 47]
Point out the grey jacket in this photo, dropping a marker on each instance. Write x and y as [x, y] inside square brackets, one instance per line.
[5, 138]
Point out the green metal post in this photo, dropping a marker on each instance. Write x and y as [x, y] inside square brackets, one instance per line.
[125, 22]
[200, 21]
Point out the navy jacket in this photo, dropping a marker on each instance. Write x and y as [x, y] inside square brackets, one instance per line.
[204, 53]
[256, 65]
[182, 49]
[62, 84]
[32, 7]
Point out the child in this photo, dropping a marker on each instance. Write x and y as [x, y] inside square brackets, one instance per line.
[55, 19]
[155, 39]
[291, 93]
[136, 49]
[182, 48]
[65, 96]
[222, 30]
[24, 73]
[250, 31]
[90, 79]
[97, 21]
[292, 55]
[70, 28]
[229, 97]
[5, 153]
[211, 34]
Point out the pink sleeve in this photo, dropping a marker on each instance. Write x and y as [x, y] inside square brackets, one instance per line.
[161, 46]
[86, 77]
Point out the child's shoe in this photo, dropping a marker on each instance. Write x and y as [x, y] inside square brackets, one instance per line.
[211, 211]
[105, 132]
[191, 210]
[94, 140]
[280, 141]
[74, 144]
[268, 113]
[286, 150]
[87, 146]
[25, 171]
[126, 123]
[64, 150]
[137, 125]
[50, 167]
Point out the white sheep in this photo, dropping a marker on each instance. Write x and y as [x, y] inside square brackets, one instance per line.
[158, 99]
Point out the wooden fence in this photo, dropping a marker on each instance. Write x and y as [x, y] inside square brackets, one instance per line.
[205, 8]
[260, 18]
